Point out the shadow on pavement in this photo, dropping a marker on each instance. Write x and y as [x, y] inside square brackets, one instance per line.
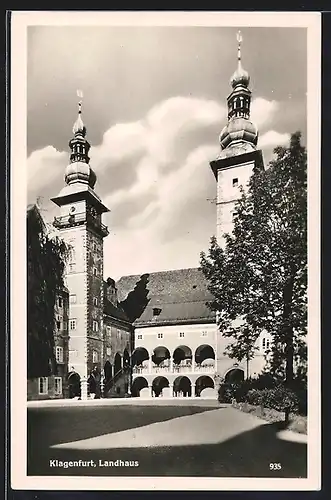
[48, 426]
[246, 455]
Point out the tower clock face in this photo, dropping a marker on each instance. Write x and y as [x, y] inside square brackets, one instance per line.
[72, 210]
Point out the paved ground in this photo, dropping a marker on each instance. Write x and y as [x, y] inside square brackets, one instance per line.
[164, 439]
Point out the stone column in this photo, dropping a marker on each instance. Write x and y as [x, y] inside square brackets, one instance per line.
[193, 364]
[150, 365]
[83, 388]
[171, 364]
[192, 390]
[102, 386]
[171, 387]
[151, 391]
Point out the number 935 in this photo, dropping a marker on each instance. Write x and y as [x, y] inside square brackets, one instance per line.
[275, 466]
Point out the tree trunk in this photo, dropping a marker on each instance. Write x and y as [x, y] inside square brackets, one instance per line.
[288, 331]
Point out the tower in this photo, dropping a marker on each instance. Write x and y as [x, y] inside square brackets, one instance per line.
[239, 154]
[81, 227]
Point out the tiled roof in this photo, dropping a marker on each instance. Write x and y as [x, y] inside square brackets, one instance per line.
[181, 295]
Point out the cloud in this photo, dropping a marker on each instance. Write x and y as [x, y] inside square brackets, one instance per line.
[263, 111]
[271, 139]
[155, 177]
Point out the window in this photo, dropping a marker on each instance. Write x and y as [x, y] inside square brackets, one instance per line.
[156, 311]
[95, 326]
[181, 334]
[108, 350]
[95, 356]
[58, 325]
[235, 182]
[43, 385]
[108, 330]
[160, 335]
[265, 343]
[65, 325]
[73, 298]
[139, 336]
[204, 333]
[59, 354]
[60, 302]
[95, 271]
[72, 324]
[95, 301]
[58, 385]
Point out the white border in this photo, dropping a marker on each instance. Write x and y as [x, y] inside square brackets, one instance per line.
[19, 23]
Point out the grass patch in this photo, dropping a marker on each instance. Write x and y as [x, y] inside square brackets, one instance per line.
[297, 423]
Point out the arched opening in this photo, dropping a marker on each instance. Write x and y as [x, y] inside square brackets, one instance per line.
[205, 356]
[74, 385]
[140, 360]
[108, 371]
[117, 363]
[234, 376]
[182, 357]
[182, 387]
[139, 355]
[159, 383]
[161, 356]
[126, 359]
[138, 384]
[202, 383]
[91, 384]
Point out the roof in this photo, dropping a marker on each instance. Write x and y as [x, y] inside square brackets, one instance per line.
[112, 310]
[181, 294]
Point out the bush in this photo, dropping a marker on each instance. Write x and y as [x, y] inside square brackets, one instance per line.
[279, 398]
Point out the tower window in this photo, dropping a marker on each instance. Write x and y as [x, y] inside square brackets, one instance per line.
[60, 302]
[156, 311]
[95, 271]
[58, 325]
[235, 182]
[95, 356]
[95, 326]
[72, 324]
[59, 354]
[181, 334]
[95, 301]
[160, 335]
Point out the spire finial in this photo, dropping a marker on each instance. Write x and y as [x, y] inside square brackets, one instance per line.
[239, 40]
[79, 126]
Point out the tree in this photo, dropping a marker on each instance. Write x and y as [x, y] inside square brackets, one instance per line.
[45, 267]
[259, 279]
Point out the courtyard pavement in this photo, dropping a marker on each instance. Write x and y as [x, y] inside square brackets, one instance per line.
[164, 439]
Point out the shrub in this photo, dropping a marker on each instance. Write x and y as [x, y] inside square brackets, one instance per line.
[279, 398]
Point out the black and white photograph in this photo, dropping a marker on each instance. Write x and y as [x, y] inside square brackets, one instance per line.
[165, 317]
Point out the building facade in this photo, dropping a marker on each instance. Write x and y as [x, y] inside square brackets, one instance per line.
[151, 335]
[55, 386]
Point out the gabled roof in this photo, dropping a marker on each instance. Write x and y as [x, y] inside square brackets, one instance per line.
[181, 295]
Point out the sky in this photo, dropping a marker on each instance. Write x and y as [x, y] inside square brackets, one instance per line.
[154, 105]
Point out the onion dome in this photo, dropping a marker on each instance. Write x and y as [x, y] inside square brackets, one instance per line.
[238, 129]
[240, 76]
[79, 169]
